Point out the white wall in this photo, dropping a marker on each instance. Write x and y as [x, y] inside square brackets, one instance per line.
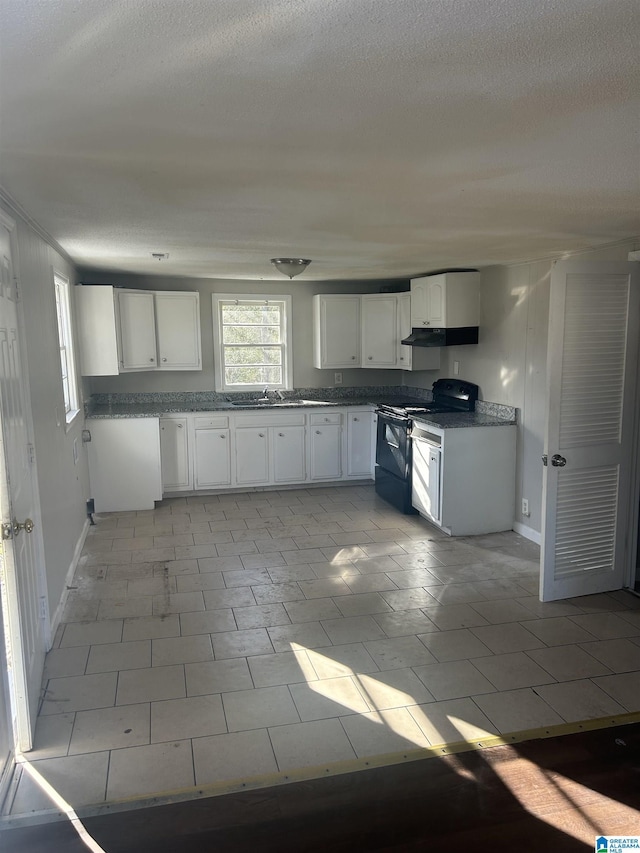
[304, 373]
[510, 362]
[63, 485]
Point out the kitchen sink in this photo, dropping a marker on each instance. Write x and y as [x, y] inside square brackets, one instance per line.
[274, 404]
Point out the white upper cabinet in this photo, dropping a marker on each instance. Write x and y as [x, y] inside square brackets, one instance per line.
[379, 330]
[178, 329]
[413, 358]
[133, 330]
[446, 301]
[336, 331]
[137, 330]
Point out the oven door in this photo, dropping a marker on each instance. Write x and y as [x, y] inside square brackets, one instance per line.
[393, 448]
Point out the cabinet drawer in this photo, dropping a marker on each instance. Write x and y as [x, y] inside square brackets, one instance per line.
[269, 419]
[326, 418]
[212, 422]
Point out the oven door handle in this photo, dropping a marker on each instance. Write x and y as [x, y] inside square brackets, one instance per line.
[401, 420]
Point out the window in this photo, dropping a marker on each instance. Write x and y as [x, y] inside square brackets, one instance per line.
[252, 338]
[67, 364]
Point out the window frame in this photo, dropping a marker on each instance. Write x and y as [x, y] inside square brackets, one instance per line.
[66, 346]
[285, 303]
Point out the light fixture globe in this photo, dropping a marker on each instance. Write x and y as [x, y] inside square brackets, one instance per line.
[290, 266]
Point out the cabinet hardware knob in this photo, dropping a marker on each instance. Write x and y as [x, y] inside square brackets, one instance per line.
[370, 358]
[318, 432]
[222, 435]
[401, 358]
[353, 358]
[261, 434]
[164, 359]
[356, 419]
[281, 434]
[180, 426]
[152, 359]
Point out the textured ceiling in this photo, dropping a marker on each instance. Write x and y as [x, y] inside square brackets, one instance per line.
[380, 138]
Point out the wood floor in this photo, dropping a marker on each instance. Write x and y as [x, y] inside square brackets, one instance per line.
[556, 794]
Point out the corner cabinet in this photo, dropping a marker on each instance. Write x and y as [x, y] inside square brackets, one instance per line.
[122, 330]
[447, 301]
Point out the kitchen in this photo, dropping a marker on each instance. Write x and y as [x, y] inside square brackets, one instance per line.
[529, 207]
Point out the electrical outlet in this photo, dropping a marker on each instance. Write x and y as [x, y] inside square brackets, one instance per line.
[525, 506]
[337, 378]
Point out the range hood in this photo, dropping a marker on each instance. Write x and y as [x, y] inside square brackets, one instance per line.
[421, 337]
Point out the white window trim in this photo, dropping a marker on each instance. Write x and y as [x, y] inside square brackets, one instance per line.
[62, 291]
[218, 361]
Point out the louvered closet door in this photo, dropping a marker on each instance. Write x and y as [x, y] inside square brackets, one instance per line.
[592, 363]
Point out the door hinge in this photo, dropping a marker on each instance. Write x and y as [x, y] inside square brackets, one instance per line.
[545, 459]
[31, 453]
[43, 607]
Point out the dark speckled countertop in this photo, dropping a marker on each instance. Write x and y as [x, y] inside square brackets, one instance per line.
[157, 405]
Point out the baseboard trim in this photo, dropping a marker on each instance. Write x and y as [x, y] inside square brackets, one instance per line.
[527, 532]
[57, 616]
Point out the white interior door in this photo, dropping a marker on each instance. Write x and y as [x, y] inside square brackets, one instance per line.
[21, 561]
[592, 364]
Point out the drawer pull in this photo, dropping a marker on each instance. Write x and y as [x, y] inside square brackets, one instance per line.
[281, 434]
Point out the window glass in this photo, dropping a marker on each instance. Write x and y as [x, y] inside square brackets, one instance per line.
[252, 341]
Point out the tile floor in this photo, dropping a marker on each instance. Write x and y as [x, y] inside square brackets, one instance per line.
[223, 637]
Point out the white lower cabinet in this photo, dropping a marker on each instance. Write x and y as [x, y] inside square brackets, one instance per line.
[464, 479]
[252, 455]
[259, 449]
[287, 446]
[124, 463]
[174, 454]
[325, 446]
[212, 452]
[361, 443]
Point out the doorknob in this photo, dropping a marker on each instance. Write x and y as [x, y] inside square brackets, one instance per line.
[26, 525]
[558, 461]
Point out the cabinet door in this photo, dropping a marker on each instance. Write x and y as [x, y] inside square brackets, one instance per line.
[137, 330]
[436, 301]
[288, 451]
[425, 480]
[360, 444]
[178, 330]
[336, 331]
[419, 314]
[96, 323]
[379, 328]
[174, 454]
[252, 456]
[124, 464]
[404, 355]
[325, 456]
[212, 458]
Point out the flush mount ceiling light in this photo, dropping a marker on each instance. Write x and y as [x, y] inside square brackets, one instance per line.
[290, 266]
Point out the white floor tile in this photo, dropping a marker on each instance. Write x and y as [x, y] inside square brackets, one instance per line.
[79, 693]
[259, 708]
[580, 700]
[151, 627]
[194, 717]
[144, 770]
[110, 728]
[218, 676]
[517, 710]
[80, 780]
[381, 732]
[310, 744]
[330, 697]
[149, 685]
[568, 663]
[624, 688]
[399, 653]
[110, 657]
[512, 671]
[172, 650]
[452, 721]
[620, 655]
[453, 680]
[233, 757]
